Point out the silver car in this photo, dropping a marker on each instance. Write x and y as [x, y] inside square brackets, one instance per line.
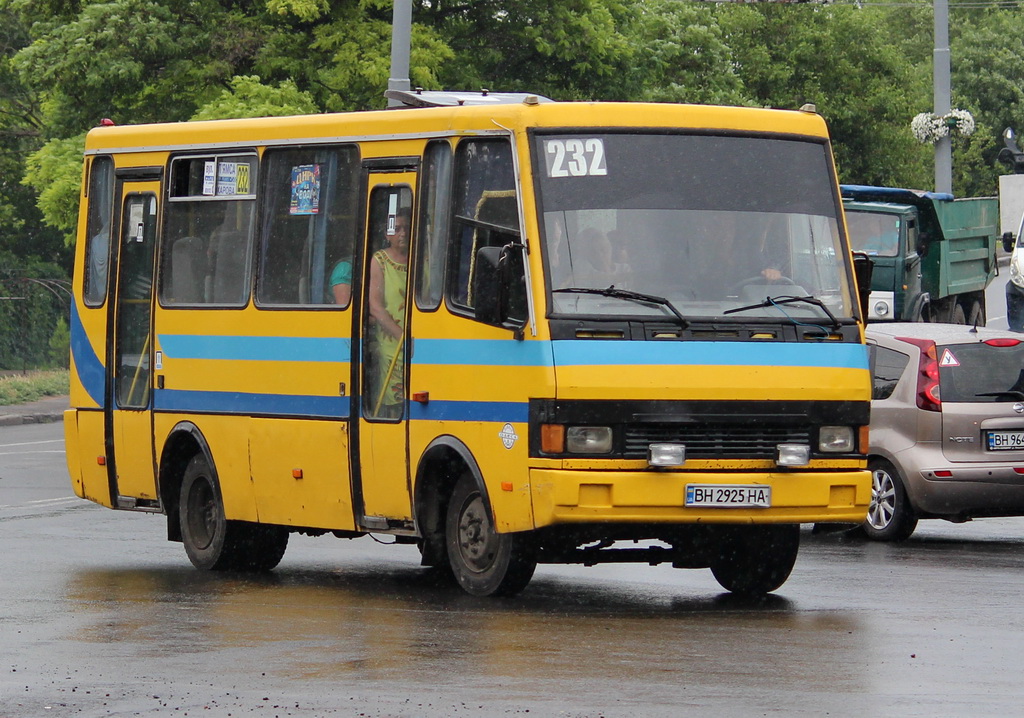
[947, 425]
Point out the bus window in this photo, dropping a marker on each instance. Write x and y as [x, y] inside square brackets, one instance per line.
[435, 200]
[384, 322]
[310, 210]
[97, 251]
[207, 248]
[486, 215]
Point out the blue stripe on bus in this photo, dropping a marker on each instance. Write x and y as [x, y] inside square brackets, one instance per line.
[498, 352]
[481, 352]
[510, 411]
[234, 402]
[229, 348]
[675, 353]
[509, 352]
[90, 369]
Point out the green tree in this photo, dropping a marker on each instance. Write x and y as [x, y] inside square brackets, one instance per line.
[248, 97]
[838, 58]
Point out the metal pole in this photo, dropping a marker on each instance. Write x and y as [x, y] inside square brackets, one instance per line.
[943, 148]
[401, 33]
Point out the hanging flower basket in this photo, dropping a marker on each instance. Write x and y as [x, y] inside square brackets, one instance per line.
[928, 128]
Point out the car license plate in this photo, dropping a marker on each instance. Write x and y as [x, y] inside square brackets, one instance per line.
[1005, 440]
[729, 496]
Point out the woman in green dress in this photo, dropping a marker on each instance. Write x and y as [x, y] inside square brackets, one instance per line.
[388, 273]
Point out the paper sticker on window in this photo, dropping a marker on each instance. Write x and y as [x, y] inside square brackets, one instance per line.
[948, 359]
[243, 182]
[581, 157]
[136, 224]
[392, 214]
[305, 190]
[209, 178]
[227, 178]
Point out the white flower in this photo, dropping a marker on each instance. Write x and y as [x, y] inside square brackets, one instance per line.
[964, 123]
[929, 128]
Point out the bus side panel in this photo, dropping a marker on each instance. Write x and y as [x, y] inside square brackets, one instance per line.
[300, 482]
[480, 380]
[289, 371]
[83, 434]
[227, 439]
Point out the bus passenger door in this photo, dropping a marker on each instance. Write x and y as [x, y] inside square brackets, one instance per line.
[129, 404]
[381, 474]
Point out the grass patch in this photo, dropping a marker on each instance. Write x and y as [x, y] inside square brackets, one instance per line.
[22, 388]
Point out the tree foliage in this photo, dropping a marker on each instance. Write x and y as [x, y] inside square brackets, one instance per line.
[66, 64]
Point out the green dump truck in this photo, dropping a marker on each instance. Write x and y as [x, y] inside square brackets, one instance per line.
[933, 255]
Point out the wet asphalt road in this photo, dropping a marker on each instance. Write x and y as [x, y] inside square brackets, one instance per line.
[100, 616]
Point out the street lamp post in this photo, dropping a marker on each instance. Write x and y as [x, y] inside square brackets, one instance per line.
[941, 91]
[401, 34]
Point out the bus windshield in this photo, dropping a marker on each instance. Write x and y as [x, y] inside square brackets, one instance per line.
[710, 223]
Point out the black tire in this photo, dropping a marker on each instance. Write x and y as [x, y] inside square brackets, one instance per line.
[754, 560]
[959, 317]
[484, 562]
[211, 541]
[976, 317]
[890, 515]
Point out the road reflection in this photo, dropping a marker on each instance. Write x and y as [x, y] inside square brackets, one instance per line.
[406, 624]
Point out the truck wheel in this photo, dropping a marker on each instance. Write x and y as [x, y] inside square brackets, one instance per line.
[976, 317]
[484, 562]
[754, 560]
[959, 317]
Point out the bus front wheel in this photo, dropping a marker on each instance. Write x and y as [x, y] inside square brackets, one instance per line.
[211, 541]
[755, 560]
[484, 562]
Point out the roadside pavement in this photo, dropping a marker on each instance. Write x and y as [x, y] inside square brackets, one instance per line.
[44, 411]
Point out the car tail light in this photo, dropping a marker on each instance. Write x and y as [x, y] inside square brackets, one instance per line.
[927, 374]
[1005, 342]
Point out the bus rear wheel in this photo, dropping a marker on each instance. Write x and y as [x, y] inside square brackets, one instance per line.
[211, 541]
[484, 562]
[754, 560]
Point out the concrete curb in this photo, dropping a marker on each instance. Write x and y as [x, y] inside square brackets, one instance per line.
[45, 411]
[18, 419]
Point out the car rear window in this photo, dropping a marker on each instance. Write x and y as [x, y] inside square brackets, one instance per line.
[981, 373]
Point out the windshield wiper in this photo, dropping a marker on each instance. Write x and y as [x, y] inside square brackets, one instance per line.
[789, 299]
[1013, 393]
[630, 296]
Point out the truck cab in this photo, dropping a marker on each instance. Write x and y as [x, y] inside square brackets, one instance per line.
[933, 255]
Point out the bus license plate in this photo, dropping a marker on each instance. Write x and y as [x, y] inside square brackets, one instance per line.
[1005, 440]
[728, 496]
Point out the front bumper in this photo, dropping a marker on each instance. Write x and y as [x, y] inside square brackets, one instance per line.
[633, 497]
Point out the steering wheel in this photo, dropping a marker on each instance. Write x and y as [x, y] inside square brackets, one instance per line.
[735, 289]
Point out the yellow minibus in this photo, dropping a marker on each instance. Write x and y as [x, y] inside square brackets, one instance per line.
[507, 330]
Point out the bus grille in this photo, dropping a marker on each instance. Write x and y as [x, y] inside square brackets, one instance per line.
[714, 441]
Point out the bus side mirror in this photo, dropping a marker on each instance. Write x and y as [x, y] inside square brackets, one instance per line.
[490, 286]
[1008, 241]
[862, 270]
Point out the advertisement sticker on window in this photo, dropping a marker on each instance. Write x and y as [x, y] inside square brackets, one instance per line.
[305, 190]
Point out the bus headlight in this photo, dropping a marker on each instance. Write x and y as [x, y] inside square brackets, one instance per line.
[588, 439]
[836, 439]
